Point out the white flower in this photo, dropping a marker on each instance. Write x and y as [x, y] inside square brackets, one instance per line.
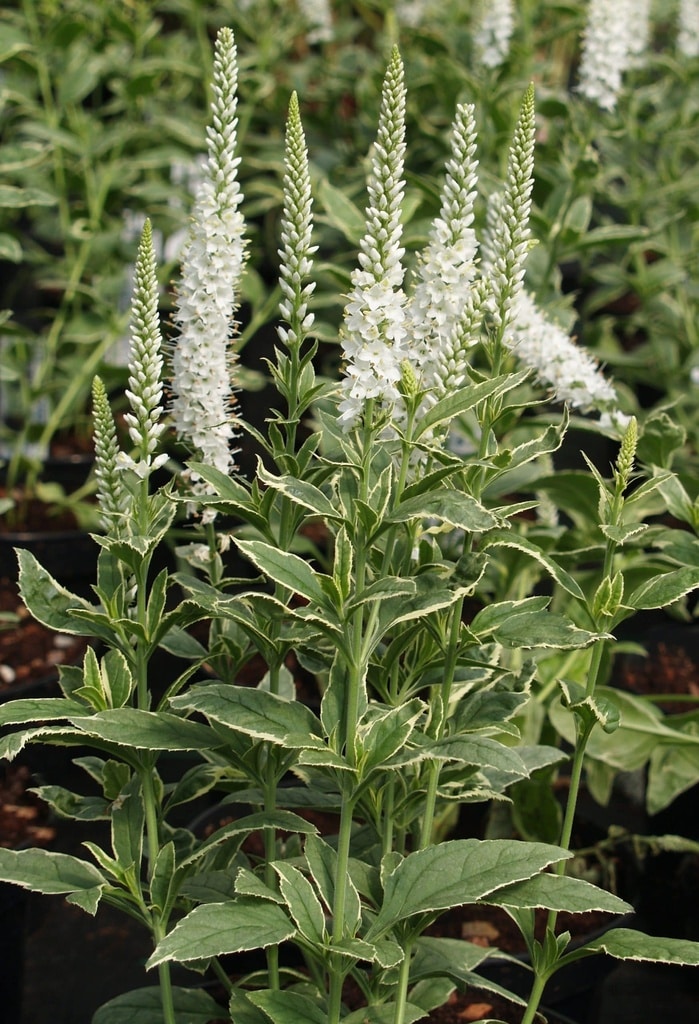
[507, 238]
[493, 33]
[639, 39]
[544, 346]
[207, 299]
[688, 28]
[447, 266]
[606, 49]
[375, 331]
[318, 17]
[411, 12]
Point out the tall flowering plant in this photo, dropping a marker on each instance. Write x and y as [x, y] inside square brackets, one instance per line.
[425, 670]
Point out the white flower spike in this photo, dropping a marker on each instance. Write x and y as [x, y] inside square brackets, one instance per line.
[208, 295]
[375, 334]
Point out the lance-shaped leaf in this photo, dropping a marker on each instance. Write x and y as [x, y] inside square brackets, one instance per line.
[456, 508]
[302, 493]
[49, 602]
[257, 713]
[285, 568]
[451, 958]
[628, 944]
[216, 929]
[41, 709]
[145, 1006]
[302, 902]
[47, 872]
[527, 547]
[543, 629]
[665, 589]
[288, 1007]
[479, 751]
[467, 398]
[557, 892]
[283, 820]
[322, 862]
[456, 872]
[147, 730]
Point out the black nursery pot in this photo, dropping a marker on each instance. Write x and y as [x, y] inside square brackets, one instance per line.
[13, 906]
[70, 556]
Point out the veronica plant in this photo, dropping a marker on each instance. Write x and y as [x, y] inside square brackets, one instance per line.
[420, 698]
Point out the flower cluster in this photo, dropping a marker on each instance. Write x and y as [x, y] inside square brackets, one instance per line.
[606, 50]
[493, 33]
[688, 28]
[318, 16]
[212, 266]
[375, 335]
[543, 345]
[447, 266]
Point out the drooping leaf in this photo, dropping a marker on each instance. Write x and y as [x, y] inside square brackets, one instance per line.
[558, 892]
[629, 944]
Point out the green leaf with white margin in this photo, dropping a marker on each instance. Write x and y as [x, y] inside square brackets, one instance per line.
[456, 872]
[386, 733]
[47, 872]
[663, 590]
[592, 709]
[467, 398]
[301, 493]
[216, 929]
[322, 863]
[430, 595]
[47, 600]
[629, 944]
[285, 820]
[147, 730]
[288, 1007]
[128, 822]
[509, 539]
[642, 727]
[41, 709]
[458, 509]
[242, 1011]
[257, 713]
[543, 629]
[302, 902]
[145, 1006]
[557, 892]
[285, 568]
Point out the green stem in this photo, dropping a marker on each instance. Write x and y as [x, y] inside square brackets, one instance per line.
[270, 877]
[338, 964]
[158, 924]
[403, 981]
